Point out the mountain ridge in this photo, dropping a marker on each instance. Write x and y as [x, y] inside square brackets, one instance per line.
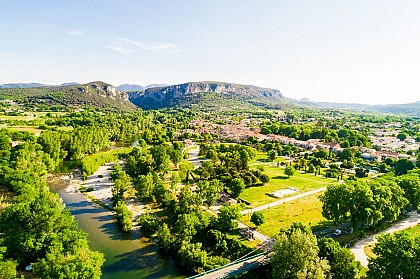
[96, 94]
[197, 93]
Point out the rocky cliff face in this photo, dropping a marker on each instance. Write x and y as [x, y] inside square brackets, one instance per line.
[195, 92]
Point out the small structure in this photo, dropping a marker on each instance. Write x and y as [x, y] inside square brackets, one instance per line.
[13, 143]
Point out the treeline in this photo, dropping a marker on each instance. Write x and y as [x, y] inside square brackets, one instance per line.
[367, 204]
[346, 137]
[36, 228]
[91, 163]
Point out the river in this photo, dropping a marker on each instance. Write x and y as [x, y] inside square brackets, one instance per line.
[127, 255]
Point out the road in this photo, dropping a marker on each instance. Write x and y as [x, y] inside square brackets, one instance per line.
[262, 207]
[237, 268]
[358, 248]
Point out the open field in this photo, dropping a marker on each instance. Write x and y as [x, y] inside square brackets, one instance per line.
[27, 129]
[278, 181]
[307, 210]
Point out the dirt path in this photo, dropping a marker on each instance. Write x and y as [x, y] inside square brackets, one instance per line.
[358, 248]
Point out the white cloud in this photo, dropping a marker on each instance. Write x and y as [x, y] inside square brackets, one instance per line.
[76, 32]
[128, 45]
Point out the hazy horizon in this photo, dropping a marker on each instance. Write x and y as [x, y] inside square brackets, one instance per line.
[342, 51]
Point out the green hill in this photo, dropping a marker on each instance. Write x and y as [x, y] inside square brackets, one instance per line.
[94, 94]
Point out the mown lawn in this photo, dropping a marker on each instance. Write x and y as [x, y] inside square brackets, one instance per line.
[278, 181]
[307, 210]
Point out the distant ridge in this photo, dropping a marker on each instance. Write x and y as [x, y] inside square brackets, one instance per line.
[412, 109]
[207, 94]
[21, 85]
[136, 87]
[96, 94]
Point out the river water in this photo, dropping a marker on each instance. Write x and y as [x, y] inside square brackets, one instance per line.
[127, 255]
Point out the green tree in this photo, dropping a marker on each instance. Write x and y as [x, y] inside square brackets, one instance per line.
[398, 256]
[257, 218]
[227, 218]
[402, 166]
[124, 217]
[289, 170]
[295, 255]
[264, 178]
[402, 136]
[341, 260]
[79, 264]
[7, 267]
[164, 237]
[410, 183]
[236, 187]
[272, 155]
[192, 256]
[160, 158]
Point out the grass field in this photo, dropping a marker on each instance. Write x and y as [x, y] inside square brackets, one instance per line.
[307, 210]
[27, 129]
[278, 181]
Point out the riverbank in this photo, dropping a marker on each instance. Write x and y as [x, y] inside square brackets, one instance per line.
[98, 189]
[128, 255]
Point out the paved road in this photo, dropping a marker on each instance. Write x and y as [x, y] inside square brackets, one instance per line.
[358, 248]
[193, 157]
[262, 207]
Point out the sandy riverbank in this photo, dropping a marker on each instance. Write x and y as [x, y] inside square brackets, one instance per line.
[101, 185]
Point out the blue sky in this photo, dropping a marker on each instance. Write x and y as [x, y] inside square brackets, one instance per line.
[343, 51]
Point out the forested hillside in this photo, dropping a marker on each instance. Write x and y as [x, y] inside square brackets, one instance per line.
[94, 94]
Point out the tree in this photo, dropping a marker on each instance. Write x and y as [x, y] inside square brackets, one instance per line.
[160, 158]
[209, 191]
[164, 237]
[272, 155]
[402, 136]
[410, 183]
[289, 170]
[7, 268]
[295, 254]
[398, 256]
[264, 178]
[402, 166]
[145, 186]
[257, 218]
[80, 264]
[124, 217]
[121, 184]
[185, 168]
[341, 260]
[236, 187]
[227, 218]
[192, 256]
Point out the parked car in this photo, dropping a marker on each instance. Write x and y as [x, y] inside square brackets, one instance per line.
[337, 232]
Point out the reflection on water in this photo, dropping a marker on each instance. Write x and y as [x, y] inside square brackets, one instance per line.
[127, 255]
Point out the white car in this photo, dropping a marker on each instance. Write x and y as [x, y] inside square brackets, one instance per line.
[337, 232]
